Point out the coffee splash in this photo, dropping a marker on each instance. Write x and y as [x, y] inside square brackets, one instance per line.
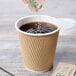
[38, 27]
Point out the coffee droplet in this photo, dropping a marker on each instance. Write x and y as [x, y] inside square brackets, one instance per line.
[34, 5]
[38, 27]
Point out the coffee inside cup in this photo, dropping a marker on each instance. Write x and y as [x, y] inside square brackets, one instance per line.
[38, 27]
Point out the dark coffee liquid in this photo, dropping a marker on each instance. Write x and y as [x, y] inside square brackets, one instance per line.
[38, 27]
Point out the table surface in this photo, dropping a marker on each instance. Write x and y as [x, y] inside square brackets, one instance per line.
[11, 63]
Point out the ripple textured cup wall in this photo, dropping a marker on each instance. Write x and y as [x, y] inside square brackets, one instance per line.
[38, 50]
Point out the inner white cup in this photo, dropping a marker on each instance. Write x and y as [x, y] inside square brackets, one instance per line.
[37, 18]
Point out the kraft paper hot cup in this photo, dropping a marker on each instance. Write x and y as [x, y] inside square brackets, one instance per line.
[38, 50]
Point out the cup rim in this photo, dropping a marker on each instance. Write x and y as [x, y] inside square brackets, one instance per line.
[31, 34]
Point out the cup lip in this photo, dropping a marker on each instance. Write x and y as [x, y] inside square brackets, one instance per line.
[31, 34]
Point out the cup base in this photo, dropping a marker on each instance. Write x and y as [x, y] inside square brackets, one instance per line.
[36, 71]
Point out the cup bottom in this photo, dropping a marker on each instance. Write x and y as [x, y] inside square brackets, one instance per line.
[36, 71]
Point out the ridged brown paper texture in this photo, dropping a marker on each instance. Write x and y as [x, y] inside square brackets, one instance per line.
[38, 51]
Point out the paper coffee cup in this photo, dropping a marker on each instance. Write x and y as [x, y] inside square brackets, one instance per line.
[38, 50]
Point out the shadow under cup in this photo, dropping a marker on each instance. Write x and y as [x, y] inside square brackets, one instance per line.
[38, 50]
